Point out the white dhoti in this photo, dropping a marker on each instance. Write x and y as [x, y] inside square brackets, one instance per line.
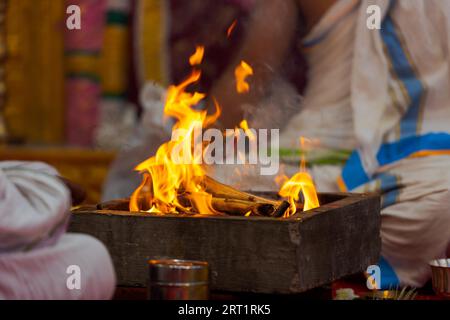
[416, 215]
[384, 94]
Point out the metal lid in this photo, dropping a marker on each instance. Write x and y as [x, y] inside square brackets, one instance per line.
[178, 272]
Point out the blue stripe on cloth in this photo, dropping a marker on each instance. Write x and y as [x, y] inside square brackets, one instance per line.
[354, 175]
[406, 74]
[391, 152]
[388, 277]
[389, 189]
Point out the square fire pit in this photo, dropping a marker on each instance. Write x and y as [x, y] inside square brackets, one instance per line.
[246, 254]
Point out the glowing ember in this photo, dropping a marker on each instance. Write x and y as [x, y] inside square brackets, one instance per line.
[300, 182]
[231, 28]
[197, 57]
[242, 71]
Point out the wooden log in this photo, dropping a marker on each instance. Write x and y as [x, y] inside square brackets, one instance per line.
[259, 255]
[115, 205]
[239, 207]
[220, 190]
[233, 207]
[226, 199]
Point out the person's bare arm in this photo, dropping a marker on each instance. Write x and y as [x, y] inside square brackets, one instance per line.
[77, 192]
[269, 35]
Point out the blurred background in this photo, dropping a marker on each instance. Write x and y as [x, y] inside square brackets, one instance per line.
[71, 97]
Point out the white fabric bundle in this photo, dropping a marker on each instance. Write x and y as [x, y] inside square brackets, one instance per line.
[33, 206]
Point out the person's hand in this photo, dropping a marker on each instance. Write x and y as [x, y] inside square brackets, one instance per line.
[77, 192]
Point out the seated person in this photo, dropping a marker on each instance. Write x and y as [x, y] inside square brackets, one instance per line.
[36, 253]
[381, 93]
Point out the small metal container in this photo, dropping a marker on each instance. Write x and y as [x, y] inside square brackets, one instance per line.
[171, 279]
[440, 270]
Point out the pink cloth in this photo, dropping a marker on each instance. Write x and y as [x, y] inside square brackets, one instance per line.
[90, 37]
[83, 97]
[83, 87]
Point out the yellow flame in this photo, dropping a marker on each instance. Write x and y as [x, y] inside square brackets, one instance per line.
[135, 197]
[197, 57]
[281, 178]
[244, 125]
[242, 71]
[176, 167]
[300, 182]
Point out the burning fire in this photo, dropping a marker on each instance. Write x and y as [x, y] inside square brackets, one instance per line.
[242, 71]
[281, 178]
[164, 176]
[244, 125]
[173, 179]
[197, 57]
[300, 182]
[244, 170]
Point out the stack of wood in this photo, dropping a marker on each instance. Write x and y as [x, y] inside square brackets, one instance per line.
[234, 202]
[225, 200]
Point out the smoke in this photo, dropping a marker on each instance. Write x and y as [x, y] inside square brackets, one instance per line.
[274, 111]
[282, 101]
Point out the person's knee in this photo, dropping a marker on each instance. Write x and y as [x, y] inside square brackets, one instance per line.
[438, 215]
[415, 232]
[419, 223]
[95, 265]
[76, 267]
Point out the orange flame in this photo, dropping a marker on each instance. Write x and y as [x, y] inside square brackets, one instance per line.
[176, 166]
[242, 71]
[244, 125]
[231, 28]
[300, 182]
[197, 57]
[281, 178]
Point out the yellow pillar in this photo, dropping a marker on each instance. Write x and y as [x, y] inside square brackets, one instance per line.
[34, 110]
